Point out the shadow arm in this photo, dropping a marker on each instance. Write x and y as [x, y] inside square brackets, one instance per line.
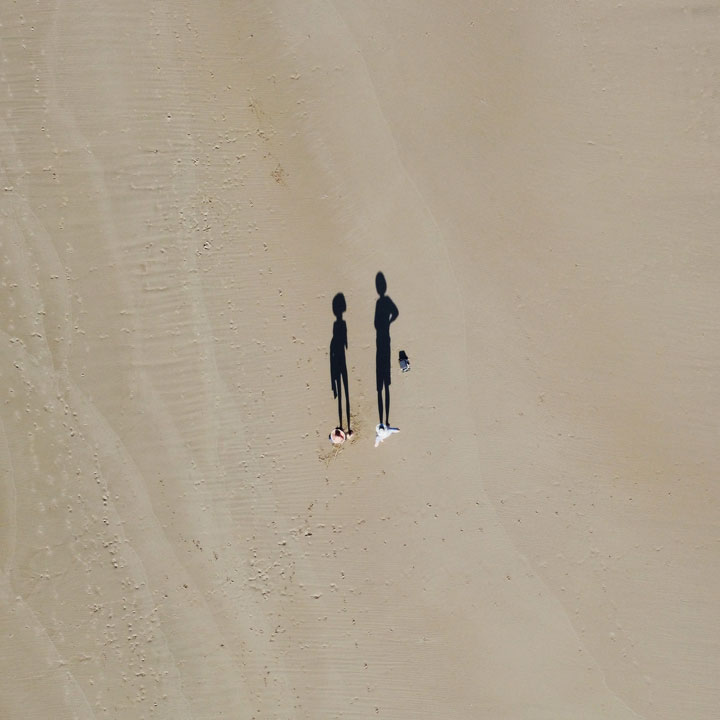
[394, 312]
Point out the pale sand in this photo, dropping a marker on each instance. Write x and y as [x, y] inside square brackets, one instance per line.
[184, 188]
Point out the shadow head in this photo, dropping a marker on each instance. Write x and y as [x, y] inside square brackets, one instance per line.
[338, 305]
[380, 284]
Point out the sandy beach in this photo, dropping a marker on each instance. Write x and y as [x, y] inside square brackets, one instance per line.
[184, 189]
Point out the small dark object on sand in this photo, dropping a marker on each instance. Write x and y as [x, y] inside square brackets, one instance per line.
[404, 361]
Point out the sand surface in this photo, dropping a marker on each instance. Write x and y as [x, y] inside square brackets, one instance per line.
[184, 188]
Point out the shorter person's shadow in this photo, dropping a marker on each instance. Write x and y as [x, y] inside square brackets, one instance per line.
[338, 363]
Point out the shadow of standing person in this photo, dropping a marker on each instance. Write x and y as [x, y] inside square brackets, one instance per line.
[386, 312]
[338, 363]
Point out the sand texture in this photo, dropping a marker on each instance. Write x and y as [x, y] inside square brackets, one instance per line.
[185, 186]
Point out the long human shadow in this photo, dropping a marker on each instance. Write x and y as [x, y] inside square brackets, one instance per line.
[338, 363]
[386, 312]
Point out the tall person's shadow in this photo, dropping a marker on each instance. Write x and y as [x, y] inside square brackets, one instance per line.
[386, 312]
[338, 363]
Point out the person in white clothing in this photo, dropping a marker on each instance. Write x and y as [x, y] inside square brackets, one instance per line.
[383, 432]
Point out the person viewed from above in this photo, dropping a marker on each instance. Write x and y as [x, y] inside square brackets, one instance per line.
[383, 432]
